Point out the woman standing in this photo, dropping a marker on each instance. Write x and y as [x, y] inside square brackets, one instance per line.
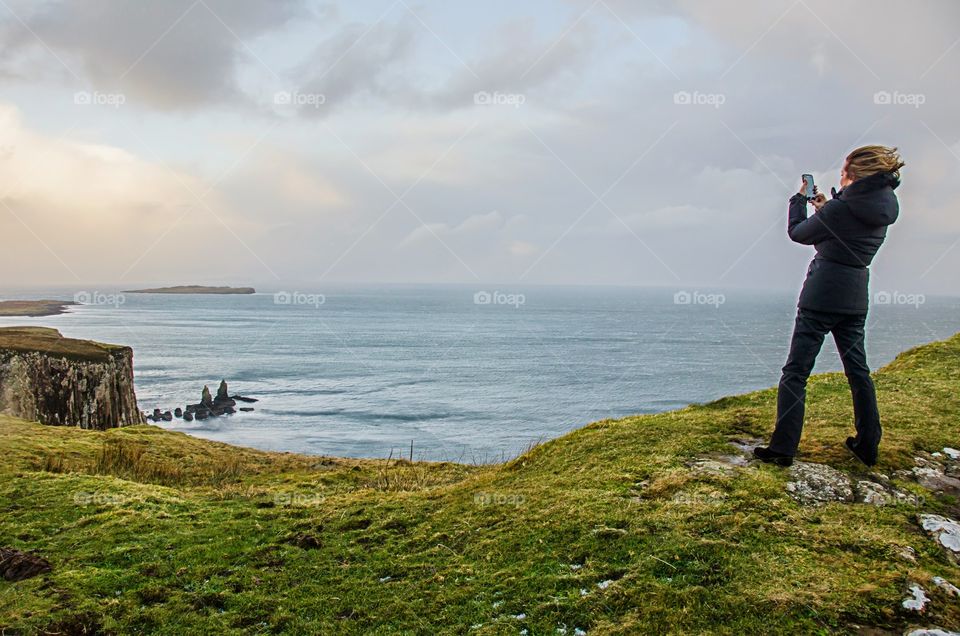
[846, 231]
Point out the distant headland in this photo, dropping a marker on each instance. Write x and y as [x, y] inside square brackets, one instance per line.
[193, 289]
[34, 308]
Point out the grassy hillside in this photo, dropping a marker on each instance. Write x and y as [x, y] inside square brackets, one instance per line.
[606, 530]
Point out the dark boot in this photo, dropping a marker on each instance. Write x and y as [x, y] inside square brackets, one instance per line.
[852, 446]
[770, 457]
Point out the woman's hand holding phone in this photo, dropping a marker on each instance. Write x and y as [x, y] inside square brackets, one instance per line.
[819, 198]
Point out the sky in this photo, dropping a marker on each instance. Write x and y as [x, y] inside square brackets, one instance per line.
[548, 142]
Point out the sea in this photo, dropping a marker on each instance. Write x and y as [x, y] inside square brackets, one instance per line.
[456, 373]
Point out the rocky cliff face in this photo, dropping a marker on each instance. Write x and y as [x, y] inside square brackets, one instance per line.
[47, 378]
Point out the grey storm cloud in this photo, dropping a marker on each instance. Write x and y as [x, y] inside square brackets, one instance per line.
[356, 60]
[169, 55]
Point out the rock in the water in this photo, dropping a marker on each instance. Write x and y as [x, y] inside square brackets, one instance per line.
[188, 416]
[240, 398]
[945, 531]
[917, 600]
[17, 566]
[205, 398]
[222, 393]
[246, 409]
[167, 416]
[178, 412]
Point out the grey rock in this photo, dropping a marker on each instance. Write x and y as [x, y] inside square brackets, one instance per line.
[813, 484]
[946, 586]
[917, 601]
[945, 531]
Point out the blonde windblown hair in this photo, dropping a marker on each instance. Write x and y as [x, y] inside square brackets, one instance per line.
[868, 160]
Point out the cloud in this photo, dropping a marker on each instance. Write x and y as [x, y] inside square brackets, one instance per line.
[74, 210]
[701, 188]
[176, 54]
[358, 60]
[473, 225]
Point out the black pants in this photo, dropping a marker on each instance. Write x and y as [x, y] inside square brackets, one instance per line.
[808, 334]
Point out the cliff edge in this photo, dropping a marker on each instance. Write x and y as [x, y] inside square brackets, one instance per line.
[62, 381]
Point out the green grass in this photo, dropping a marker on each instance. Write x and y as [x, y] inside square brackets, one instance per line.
[34, 307]
[50, 341]
[154, 531]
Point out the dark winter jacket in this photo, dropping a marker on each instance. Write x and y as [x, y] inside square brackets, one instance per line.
[847, 232]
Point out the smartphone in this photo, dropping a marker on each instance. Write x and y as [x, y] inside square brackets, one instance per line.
[808, 180]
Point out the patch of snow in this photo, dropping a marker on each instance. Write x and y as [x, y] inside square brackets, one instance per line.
[952, 453]
[934, 631]
[604, 584]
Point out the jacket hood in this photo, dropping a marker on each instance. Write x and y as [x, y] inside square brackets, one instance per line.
[872, 200]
